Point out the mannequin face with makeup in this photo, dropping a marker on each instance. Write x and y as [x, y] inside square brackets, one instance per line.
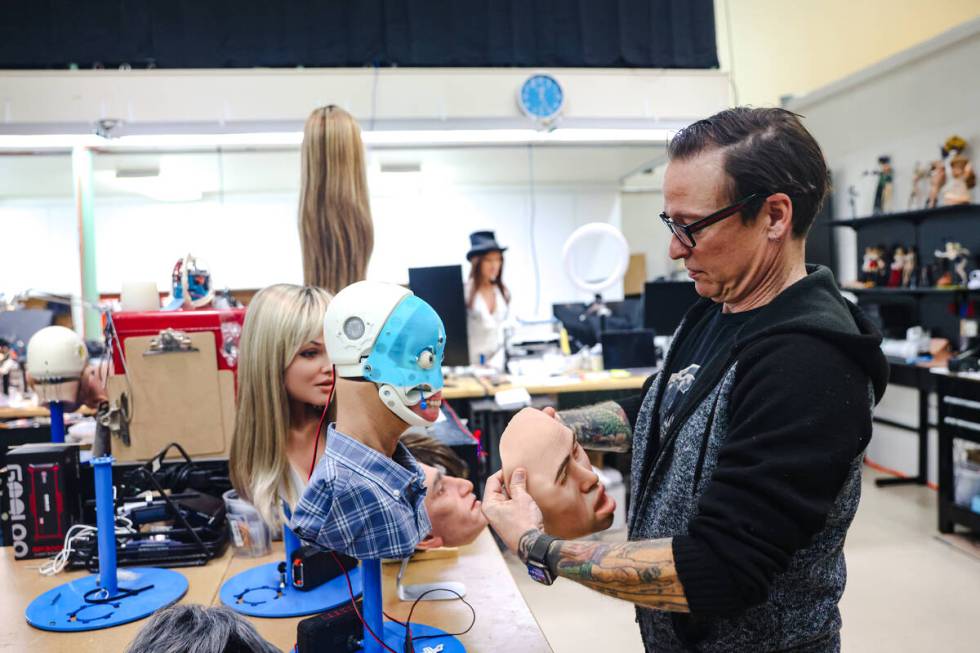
[453, 510]
[559, 475]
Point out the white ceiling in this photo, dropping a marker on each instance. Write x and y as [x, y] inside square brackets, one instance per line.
[50, 176]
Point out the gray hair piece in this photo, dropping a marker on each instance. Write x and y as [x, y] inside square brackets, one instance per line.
[189, 628]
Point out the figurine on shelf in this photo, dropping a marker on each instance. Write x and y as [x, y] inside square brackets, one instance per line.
[883, 192]
[927, 275]
[958, 257]
[872, 266]
[962, 177]
[909, 279]
[897, 267]
[937, 179]
[919, 176]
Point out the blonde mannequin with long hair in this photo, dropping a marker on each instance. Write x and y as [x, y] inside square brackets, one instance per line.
[284, 381]
[335, 228]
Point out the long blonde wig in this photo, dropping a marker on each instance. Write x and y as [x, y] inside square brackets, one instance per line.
[280, 320]
[335, 229]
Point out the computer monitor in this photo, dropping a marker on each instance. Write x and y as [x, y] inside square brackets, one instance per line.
[665, 303]
[442, 288]
[632, 348]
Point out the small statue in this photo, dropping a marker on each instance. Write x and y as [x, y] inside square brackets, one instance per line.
[962, 177]
[908, 270]
[937, 179]
[852, 195]
[919, 175]
[873, 266]
[958, 257]
[897, 267]
[883, 192]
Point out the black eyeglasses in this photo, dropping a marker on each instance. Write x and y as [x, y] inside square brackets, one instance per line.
[685, 232]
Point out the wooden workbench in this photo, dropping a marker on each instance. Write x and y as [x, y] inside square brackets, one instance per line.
[470, 387]
[503, 620]
[6, 412]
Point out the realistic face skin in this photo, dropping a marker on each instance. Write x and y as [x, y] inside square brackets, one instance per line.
[309, 376]
[559, 475]
[730, 259]
[453, 510]
[490, 266]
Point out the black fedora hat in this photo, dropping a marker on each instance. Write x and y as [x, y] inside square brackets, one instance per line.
[482, 242]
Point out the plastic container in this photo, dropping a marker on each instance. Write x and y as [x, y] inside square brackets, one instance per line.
[249, 534]
[966, 483]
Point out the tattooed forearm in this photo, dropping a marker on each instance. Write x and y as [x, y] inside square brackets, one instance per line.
[602, 427]
[526, 542]
[640, 572]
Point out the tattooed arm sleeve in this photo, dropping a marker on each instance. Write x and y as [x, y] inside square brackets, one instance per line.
[641, 572]
[602, 427]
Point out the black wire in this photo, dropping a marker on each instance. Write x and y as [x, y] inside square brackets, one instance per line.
[408, 622]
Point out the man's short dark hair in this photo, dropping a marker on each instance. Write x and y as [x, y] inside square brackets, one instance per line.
[429, 451]
[765, 151]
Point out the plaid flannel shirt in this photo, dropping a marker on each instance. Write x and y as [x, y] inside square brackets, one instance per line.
[362, 503]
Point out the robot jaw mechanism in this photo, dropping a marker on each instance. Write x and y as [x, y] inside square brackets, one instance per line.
[385, 334]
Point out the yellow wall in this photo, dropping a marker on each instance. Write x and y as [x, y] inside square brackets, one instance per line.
[782, 47]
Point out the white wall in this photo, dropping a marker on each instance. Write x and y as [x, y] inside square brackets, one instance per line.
[645, 232]
[251, 240]
[905, 107]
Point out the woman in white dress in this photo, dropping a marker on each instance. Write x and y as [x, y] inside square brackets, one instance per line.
[487, 299]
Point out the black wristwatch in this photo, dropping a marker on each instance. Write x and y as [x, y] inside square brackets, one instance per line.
[537, 560]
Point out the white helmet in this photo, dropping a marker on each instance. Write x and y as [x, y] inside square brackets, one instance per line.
[56, 357]
[383, 333]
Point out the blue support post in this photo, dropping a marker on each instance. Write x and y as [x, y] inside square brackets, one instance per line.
[373, 607]
[106, 522]
[57, 421]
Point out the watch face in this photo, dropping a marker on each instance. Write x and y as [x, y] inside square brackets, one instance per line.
[541, 97]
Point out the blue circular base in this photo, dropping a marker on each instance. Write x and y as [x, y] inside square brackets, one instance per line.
[64, 608]
[255, 592]
[395, 638]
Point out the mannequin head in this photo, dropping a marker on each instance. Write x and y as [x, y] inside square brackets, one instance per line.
[559, 475]
[453, 510]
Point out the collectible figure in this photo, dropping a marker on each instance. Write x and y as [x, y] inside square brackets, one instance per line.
[883, 192]
[958, 257]
[873, 266]
[918, 194]
[937, 179]
[962, 177]
[908, 270]
[897, 267]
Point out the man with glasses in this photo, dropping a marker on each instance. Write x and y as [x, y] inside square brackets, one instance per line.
[747, 446]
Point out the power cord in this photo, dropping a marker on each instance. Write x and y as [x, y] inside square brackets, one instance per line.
[73, 537]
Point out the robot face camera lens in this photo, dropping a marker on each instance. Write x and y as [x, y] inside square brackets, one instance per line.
[354, 328]
[426, 359]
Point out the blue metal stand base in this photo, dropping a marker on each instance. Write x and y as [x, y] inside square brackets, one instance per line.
[65, 608]
[395, 638]
[255, 592]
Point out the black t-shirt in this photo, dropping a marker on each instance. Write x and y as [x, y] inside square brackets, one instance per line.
[712, 335]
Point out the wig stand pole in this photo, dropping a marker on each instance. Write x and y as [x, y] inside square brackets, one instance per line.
[424, 637]
[57, 410]
[96, 602]
[267, 590]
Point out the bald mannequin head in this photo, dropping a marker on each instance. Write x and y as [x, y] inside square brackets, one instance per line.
[559, 475]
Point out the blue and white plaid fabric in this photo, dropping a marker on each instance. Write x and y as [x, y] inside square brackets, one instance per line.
[362, 503]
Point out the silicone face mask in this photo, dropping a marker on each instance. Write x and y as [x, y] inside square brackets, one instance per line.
[407, 357]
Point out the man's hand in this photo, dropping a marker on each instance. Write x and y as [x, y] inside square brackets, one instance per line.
[511, 516]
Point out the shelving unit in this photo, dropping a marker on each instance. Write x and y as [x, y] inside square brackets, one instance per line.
[926, 230]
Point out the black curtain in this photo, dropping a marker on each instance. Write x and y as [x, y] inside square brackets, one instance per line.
[351, 33]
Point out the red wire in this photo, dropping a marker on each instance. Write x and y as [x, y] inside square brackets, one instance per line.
[316, 441]
[353, 602]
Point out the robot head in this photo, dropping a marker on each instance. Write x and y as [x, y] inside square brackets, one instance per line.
[387, 335]
[191, 284]
[56, 357]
